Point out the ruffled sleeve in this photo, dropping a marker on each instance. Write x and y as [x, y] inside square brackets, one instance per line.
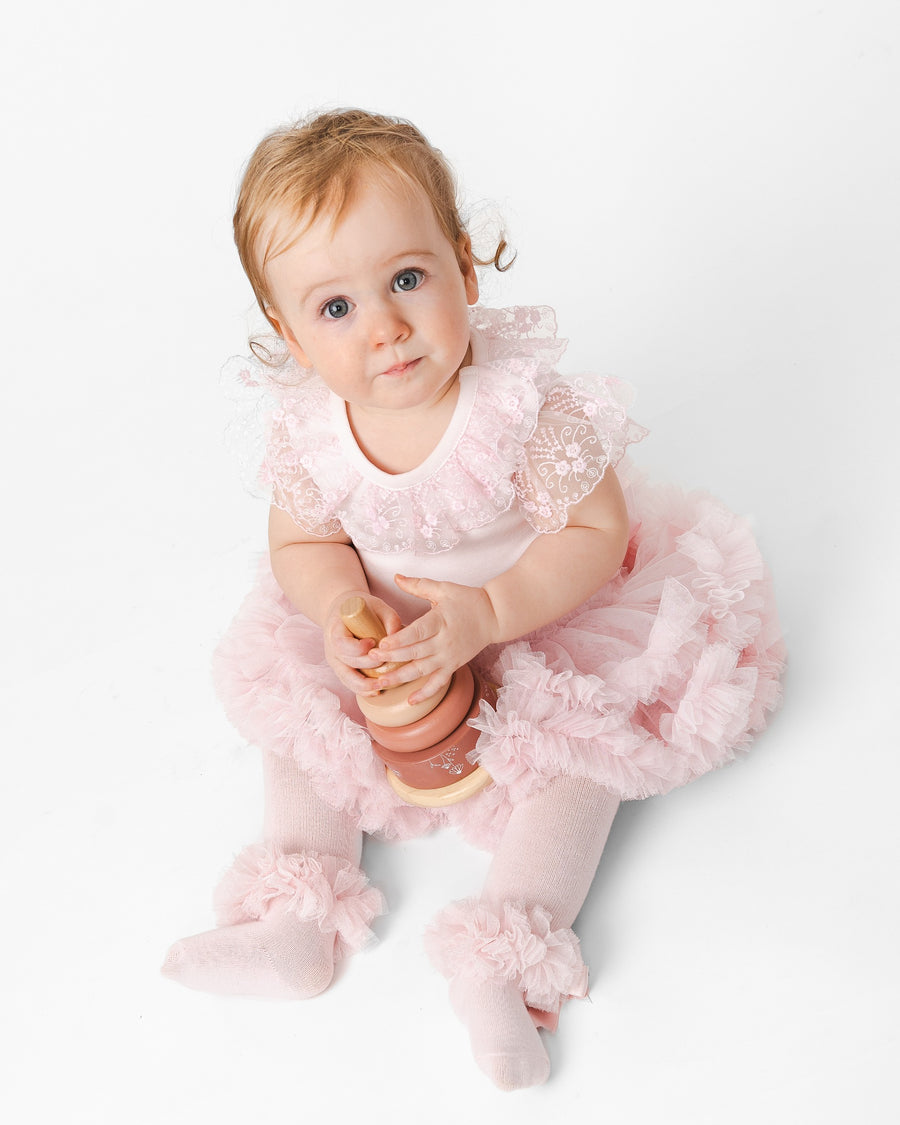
[283, 440]
[574, 429]
[582, 429]
[295, 448]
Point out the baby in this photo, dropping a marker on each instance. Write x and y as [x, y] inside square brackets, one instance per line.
[425, 453]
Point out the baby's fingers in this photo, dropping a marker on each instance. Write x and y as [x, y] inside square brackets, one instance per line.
[390, 619]
[353, 651]
[414, 642]
[431, 686]
[351, 677]
[399, 653]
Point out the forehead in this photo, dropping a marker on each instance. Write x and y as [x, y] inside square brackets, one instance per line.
[379, 217]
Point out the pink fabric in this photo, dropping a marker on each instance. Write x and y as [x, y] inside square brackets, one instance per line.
[512, 943]
[329, 890]
[664, 674]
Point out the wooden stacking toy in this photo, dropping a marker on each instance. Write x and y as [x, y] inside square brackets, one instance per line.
[424, 746]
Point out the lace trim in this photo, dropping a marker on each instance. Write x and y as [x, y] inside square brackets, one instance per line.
[580, 432]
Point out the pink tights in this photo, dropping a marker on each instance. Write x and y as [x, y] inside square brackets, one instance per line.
[292, 906]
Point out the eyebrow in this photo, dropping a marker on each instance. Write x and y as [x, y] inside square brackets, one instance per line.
[413, 254]
[335, 282]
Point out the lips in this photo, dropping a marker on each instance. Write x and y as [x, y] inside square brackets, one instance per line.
[401, 368]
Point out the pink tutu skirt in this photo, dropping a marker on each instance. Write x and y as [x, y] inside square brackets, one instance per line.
[665, 674]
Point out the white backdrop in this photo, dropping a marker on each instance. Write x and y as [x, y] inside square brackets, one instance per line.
[707, 193]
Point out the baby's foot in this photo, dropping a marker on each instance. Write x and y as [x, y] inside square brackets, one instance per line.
[505, 1042]
[280, 958]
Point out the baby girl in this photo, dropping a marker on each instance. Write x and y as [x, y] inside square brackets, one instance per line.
[425, 453]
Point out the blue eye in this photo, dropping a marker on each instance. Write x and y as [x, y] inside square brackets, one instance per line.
[407, 280]
[334, 310]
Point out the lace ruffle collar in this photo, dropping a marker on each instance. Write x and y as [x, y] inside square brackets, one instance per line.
[319, 475]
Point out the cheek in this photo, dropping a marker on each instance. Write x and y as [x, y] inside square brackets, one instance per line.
[459, 331]
[449, 315]
[338, 352]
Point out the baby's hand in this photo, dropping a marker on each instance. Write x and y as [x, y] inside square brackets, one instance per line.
[346, 654]
[460, 623]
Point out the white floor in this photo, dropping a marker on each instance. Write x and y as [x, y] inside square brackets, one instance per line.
[708, 196]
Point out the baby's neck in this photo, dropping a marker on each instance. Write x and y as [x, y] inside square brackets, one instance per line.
[399, 441]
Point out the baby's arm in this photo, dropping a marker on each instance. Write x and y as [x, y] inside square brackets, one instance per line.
[554, 575]
[317, 574]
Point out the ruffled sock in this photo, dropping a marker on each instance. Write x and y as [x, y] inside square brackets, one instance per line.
[281, 958]
[506, 1045]
[284, 921]
[501, 961]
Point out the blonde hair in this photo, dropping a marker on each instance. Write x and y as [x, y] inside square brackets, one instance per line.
[297, 173]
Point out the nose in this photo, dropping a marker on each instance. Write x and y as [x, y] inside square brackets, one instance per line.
[387, 326]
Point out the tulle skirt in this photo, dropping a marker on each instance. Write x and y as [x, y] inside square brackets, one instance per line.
[665, 674]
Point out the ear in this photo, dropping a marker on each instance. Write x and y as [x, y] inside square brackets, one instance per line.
[288, 336]
[467, 267]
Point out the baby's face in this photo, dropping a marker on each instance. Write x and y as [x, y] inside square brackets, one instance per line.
[377, 304]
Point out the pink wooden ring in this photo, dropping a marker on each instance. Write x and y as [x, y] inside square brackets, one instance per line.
[436, 725]
[446, 761]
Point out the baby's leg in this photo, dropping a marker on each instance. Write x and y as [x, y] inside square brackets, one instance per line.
[289, 907]
[515, 944]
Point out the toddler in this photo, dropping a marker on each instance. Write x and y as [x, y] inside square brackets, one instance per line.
[425, 452]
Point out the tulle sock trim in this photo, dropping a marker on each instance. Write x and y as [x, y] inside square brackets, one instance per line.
[510, 942]
[330, 890]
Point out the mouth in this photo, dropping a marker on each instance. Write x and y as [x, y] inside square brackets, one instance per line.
[401, 368]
